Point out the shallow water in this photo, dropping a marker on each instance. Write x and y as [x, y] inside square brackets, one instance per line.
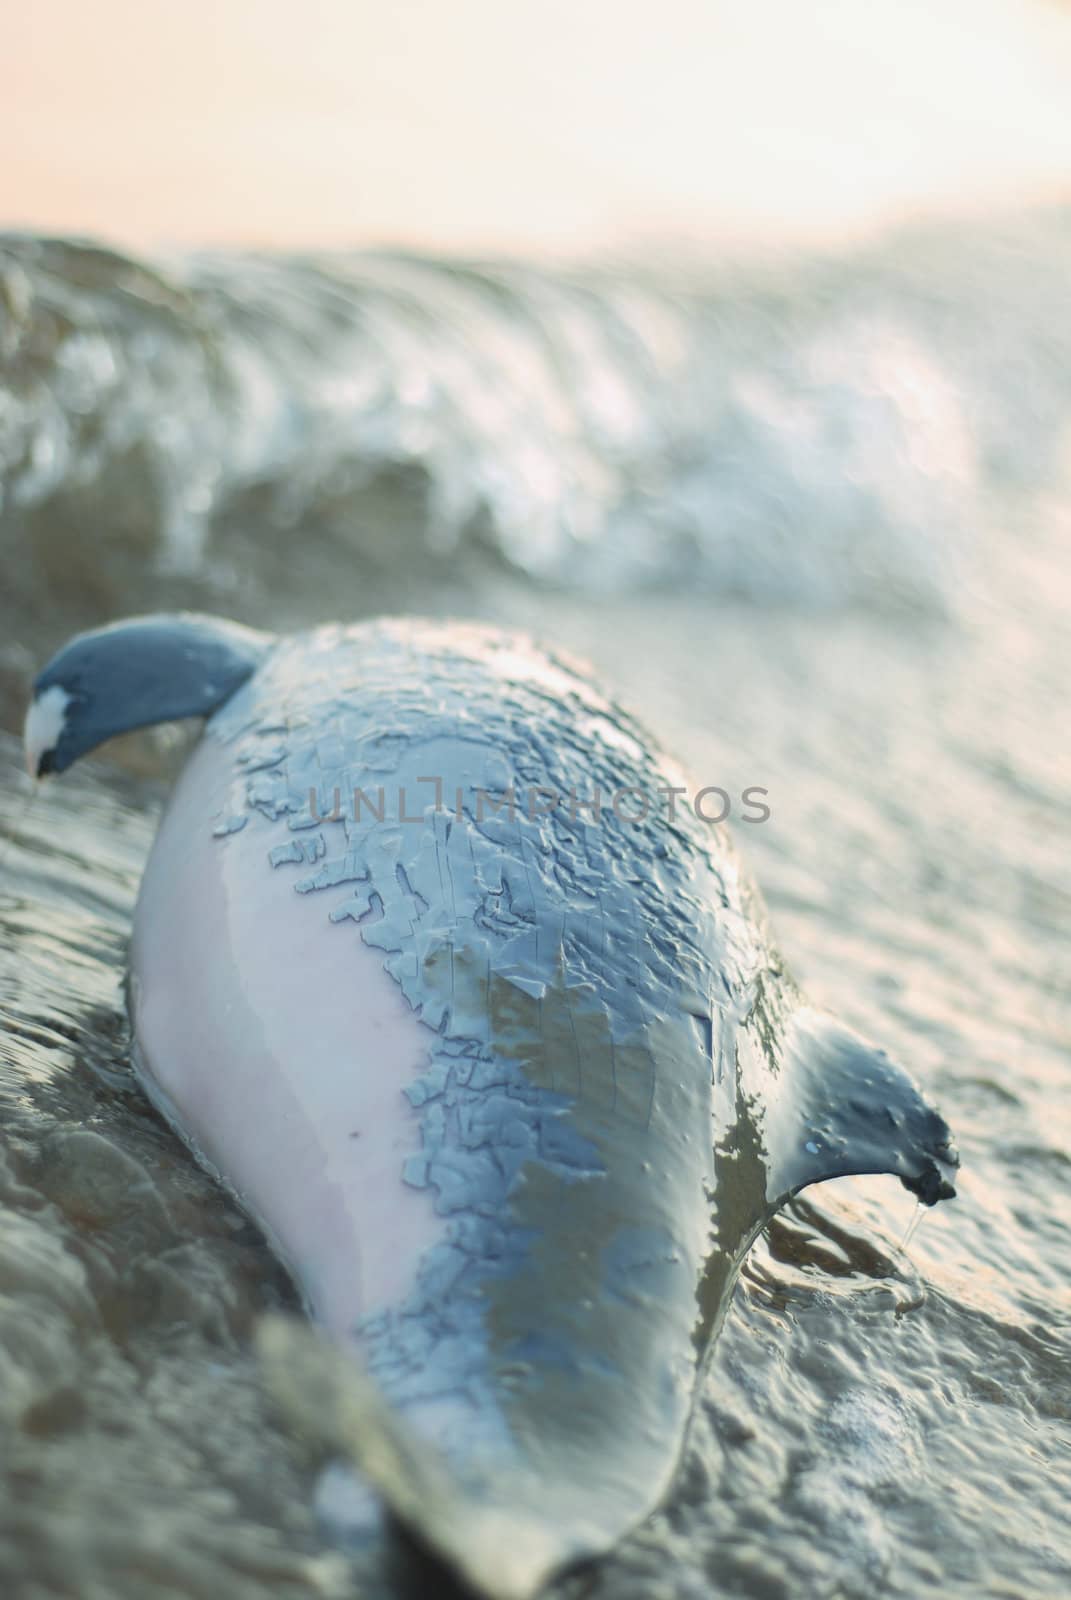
[810, 528]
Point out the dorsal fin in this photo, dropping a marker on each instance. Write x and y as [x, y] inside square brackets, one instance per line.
[132, 674]
[838, 1105]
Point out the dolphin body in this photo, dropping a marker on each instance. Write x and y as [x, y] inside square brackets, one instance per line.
[510, 1087]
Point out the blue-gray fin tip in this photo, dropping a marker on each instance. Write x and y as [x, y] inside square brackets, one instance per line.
[133, 674]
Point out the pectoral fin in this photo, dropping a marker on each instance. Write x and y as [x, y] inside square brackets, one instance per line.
[132, 674]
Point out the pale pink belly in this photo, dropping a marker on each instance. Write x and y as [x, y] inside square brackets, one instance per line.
[280, 1048]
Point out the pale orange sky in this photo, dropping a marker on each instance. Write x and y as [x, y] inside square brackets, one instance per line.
[524, 124]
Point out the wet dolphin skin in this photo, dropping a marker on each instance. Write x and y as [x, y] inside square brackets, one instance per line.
[437, 967]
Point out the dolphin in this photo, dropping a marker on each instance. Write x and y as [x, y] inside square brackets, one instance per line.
[505, 1066]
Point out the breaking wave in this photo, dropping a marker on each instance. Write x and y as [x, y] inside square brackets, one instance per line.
[820, 431]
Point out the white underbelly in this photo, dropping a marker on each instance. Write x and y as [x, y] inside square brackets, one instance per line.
[280, 1048]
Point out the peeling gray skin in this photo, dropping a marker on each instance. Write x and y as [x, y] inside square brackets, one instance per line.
[622, 1084]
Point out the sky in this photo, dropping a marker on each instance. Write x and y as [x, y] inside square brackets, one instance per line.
[532, 125]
